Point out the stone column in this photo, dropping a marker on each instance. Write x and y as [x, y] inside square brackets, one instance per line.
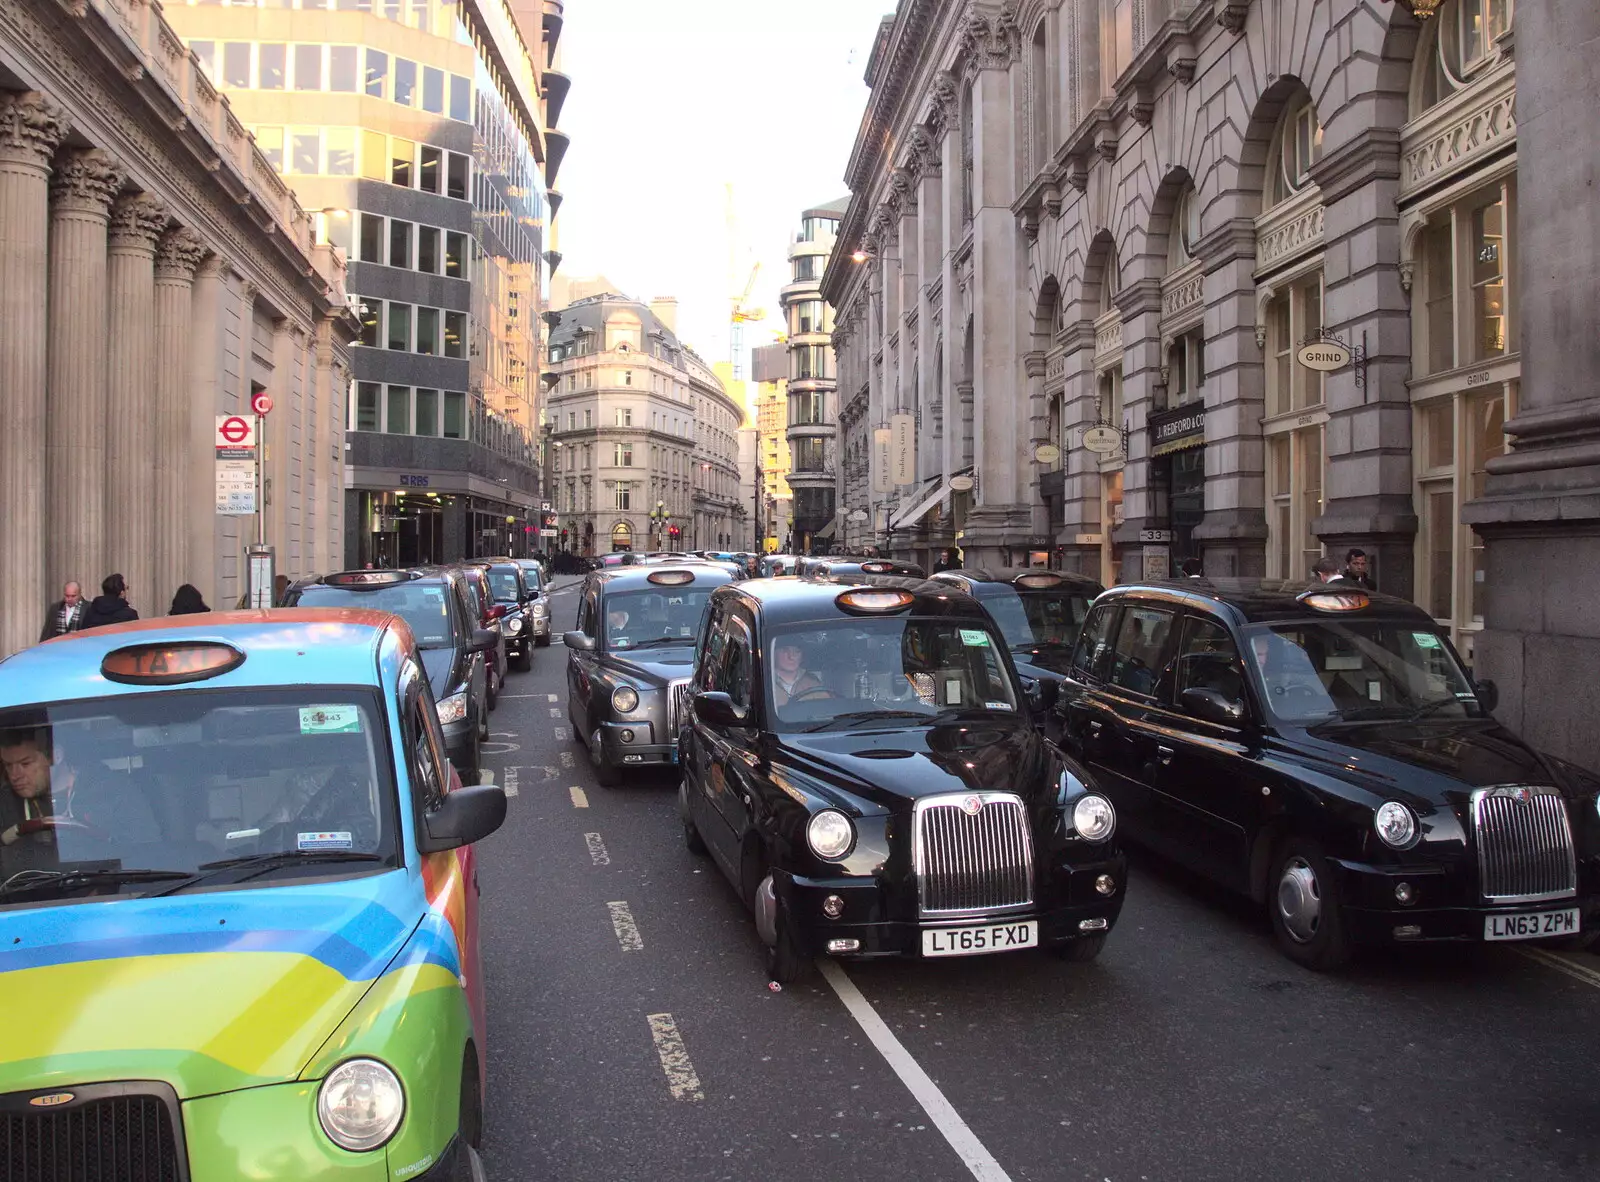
[202, 407]
[31, 127]
[1540, 514]
[82, 189]
[1140, 304]
[177, 256]
[137, 222]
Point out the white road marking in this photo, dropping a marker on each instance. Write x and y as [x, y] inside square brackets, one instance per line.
[550, 773]
[978, 1160]
[504, 696]
[1561, 964]
[485, 776]
[597, 850]
[566, 756]
[627, 931]
[681, 1079]
[511, 781]
[580, 798]
[552, 697]
[555, 712]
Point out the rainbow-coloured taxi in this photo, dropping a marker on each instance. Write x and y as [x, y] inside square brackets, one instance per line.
[238, 907]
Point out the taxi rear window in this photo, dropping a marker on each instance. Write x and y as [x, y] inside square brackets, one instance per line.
[424, 606]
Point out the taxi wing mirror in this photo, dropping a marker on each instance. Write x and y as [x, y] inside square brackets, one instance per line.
[1041, 691]
[1488, 694]
[1210, 706]
[462, 817]
[483, 640]
[717, 709]
[581, 641]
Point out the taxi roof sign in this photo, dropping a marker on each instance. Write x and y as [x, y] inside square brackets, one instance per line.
[369, 578]
[1038, 580]
[878, 568]
[875, 600]
[671, 578]
[1324, 599]
[171, 663]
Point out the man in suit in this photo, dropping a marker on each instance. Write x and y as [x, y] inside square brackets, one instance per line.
[65, 614]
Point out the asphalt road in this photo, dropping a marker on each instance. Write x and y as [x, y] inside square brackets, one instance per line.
[633, 1034]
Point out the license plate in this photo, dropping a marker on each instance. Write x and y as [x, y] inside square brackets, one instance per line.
[1531, 925]
[994, 937]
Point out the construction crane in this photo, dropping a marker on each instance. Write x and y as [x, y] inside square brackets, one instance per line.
[743, 313]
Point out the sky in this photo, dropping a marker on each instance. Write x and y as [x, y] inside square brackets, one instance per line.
[671, 101]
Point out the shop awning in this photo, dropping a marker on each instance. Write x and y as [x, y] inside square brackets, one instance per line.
[827, 531]
[919, 509]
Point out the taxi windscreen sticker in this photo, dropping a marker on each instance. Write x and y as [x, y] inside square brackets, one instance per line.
[323, 841]
[330, 720]
[997, 705]
[974, 638]
[1425, 640]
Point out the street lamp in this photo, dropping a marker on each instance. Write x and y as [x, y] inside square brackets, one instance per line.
[658, 519]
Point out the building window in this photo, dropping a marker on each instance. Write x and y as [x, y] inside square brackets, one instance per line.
[341, 151]
[377, 72]
[1292, 317]
[624, 498]
[455, 334]
[405, 82]
[366, 406]
[623, 455]
[1297, 145]
[401, 155]
[427, 332]
[427, 412]
[428, 249]
[306, 152]
[808, 455]
[371, 313]
[342, 71]
[1481, 22]
[399, 243]
[1039, 99]
[1295, 478]
[588, 418]
[460, 98]
[272, 66]
[1186, 368]
[1465, 301]
[399, 326]
[455, 415]
[430, 164]
[627, 380]
[308, 67]
[433, 90]
[397, 420]
[236, 65]
[806, 267]
[624, 416]
[455, 255]
[456, 180]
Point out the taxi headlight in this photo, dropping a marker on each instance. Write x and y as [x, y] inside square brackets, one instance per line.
[1094, 818]
[830, 835]
[539, 609]
[1395, 825]
[624, 699]
[453, 708]
[360, 1104]
[514, 624]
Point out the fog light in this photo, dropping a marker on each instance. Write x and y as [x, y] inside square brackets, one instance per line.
[844, 945]
[833, 907]
[1410, 931]
[1105, 884]
[625, 736]
[1403, 894]
[1091, 925]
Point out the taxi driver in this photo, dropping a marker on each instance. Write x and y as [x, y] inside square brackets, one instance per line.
[39, 788]
[790, 678]
[616, 621]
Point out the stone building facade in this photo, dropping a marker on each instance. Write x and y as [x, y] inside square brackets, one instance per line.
[812, 387]
[644, 444]
[1090, 242]
[154, 272]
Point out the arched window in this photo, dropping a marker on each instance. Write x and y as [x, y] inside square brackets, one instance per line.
[1296, 146]
[1185, 232]
[1039, 99]
[1462, 41]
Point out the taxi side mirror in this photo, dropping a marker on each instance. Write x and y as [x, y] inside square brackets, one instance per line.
[1041, 691]
[1488, 694]
[717, 709]
[462, 817]
[1210, 706]
[483, 640]
[581, 641]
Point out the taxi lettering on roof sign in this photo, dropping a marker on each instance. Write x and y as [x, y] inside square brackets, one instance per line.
[169, 664]
[1336, 601]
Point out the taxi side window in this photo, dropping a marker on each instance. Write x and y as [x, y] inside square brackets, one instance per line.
[424, 760]
[586, 615]
[1094, 642]
[1207, 659]
[1141, 640]
[736, 665]
[708, 676]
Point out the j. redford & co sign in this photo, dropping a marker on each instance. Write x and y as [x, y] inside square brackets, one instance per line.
[1178, 429]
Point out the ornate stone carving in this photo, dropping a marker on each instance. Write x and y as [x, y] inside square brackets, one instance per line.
[990, 39]
[942, 105]
[1408, 274]
[181, 251]
[1052, 200]
[1292, 229]
[137, 220]
[1143, 105]
[1076, 173]
[86, 180]
[1448, 140]
[1230, 14]
[31, 127]
[1184, 295]
[1181, 60]
[902, 181]
[923, 153]
[1105, 141]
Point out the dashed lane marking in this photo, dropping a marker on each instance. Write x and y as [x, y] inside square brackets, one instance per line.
[627, 931]
[681, 1079]
[555, 712]
[511, 781]
[550, 773]
[978, 1160]
[552, 697]
[503, 696]
[1561, 964]
[580, 798]
[566, 756]
[597, 850]
[485, 776]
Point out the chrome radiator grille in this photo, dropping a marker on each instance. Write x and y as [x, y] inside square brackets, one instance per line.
[1524, 845]
[972, 852]
[677, 708]
[117, 1138]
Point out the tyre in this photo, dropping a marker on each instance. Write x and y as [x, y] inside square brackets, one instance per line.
[469, 1165]
[1303, 899]
[524, 662]
[607, 775]
[1081, 950]
[472, 773]
[691, 832]
[786, 961]
[483, 723]
[492, 690]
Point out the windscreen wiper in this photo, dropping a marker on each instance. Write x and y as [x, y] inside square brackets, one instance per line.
[261, 863]
[24, 881]
[868, 716]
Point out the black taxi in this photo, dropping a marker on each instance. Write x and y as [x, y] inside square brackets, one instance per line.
[1323, 750]
[630, 659]
[832, 568]
[859, 763]
[1040, 613]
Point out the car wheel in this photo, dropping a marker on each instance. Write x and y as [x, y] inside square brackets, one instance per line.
[473, 772]
[607, 775]
[1303, 898]
[469, 1165]
[542, 641]
[785, 958]
[492, 688]
[1081, 950]
[483, 723]
[691, 831]
[525, 659]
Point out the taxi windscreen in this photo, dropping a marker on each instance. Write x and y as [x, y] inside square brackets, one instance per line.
[655, 618]
[1355, 670]
[507, 588]
[1037, 618]
[839, 673]
[179, 781]
[421, 605]
[532, 577]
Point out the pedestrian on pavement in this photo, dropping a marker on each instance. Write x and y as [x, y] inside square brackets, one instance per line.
[280, 589]
[947, 561]
[1192, 569]
[1357, 569]
[110, 607]
[65, 614]
[188, 601]
[1326, 570]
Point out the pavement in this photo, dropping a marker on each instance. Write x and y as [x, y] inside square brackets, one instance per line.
[634, 1035]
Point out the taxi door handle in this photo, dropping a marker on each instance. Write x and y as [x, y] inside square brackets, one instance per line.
[1164, 754]
[1094, 729]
